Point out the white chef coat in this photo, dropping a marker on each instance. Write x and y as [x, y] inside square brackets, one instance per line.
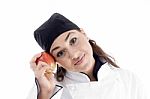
[113, 83]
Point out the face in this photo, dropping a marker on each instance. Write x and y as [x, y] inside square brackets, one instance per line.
[73, 51]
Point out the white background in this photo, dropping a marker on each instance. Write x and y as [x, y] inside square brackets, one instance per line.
[120, 27]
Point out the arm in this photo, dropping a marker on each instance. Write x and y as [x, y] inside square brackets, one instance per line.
[43, 94]
[35, 94]
[45, 82]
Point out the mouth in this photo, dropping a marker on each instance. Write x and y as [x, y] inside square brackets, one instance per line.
[80, 60]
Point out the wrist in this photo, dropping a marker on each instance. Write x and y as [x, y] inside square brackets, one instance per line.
[45, 94]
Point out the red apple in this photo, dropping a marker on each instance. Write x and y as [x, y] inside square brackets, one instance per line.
[45, 57]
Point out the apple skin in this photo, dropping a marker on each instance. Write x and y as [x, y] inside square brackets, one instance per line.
[48, 58]
[45, 57]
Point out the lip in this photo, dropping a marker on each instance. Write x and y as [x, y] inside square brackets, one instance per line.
[78, 62]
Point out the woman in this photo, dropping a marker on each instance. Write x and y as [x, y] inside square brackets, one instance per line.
[84, 70]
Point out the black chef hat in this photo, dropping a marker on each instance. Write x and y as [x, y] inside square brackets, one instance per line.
[51, 29]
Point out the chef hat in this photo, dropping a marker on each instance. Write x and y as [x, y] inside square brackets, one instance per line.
[51, 29]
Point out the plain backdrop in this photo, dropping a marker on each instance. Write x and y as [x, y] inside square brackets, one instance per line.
[120, 27]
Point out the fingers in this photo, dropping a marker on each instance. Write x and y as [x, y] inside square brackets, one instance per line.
[41, 65]
[41, 69]
[33, 61]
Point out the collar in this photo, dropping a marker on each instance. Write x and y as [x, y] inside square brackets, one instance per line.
[105, 72]
[77, 77]
[97, 66]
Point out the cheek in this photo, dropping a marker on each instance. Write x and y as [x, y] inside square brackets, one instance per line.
[65, 63]
[86, 47]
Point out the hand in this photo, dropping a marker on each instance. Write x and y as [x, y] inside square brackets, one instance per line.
[46, 80]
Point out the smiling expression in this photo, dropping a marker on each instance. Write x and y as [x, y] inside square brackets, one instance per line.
[73, 51]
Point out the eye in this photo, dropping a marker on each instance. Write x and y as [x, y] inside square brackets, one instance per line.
[60, 53]
[73, 41]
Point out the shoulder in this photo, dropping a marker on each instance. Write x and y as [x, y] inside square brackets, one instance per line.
[124, 73]
[127, 76]
[121, 73]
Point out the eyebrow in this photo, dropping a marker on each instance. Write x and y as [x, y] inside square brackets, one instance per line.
[55, 49]
[68, 36]
[65, 41]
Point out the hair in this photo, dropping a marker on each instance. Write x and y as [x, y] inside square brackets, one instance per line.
[102, 55]
[60, 72]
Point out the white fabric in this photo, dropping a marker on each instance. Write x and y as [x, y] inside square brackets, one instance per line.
[113, 83]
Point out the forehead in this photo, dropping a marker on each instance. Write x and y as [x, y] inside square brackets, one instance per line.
[61, 38]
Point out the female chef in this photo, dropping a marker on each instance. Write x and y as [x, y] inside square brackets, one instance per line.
[84, 70]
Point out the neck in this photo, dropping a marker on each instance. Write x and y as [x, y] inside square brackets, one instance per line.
[92, 78]
[89, 72]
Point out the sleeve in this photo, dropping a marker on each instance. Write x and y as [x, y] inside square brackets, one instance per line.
[33, 94]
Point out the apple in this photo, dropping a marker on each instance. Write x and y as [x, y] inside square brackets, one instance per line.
[47, 58]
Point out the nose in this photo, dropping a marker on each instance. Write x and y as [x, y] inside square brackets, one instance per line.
[74, 54]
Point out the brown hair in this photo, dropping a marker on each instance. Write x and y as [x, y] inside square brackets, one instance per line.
[60, 73]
